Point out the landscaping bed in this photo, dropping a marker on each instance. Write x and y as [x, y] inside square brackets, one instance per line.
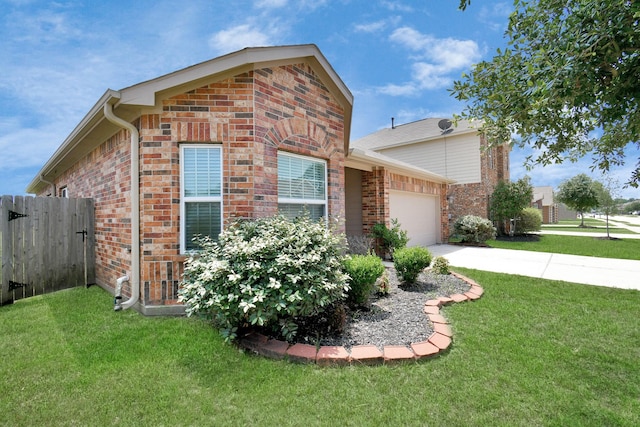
[393, 319]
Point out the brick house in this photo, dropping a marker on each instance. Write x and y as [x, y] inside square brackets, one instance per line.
[249, 134]
[457, 152]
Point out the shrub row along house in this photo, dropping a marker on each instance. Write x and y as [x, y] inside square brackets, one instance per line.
[246, 135]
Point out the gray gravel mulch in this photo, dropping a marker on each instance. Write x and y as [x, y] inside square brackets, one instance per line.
[396, 318]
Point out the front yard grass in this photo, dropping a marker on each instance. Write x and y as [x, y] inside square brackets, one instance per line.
[529, 352]
[602, 229]
[589, 222]
[576, 245]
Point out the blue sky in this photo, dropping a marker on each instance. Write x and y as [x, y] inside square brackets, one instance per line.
[398, 58]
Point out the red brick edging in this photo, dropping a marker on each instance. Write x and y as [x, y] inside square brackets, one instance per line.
[437, 343]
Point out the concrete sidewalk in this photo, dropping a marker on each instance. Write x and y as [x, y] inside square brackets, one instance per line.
[615, 273]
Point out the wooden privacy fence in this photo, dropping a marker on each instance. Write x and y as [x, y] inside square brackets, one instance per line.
[46, 244]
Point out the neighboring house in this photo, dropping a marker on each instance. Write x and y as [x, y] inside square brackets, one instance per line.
[543, 201]
[458, 153]
[564, 213]
[245, 135]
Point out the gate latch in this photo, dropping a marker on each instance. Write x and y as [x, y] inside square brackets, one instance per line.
[84, 234]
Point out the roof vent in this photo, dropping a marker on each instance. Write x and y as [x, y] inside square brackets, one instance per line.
[445, 126]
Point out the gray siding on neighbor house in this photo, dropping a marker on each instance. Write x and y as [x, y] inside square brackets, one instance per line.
[456, 157]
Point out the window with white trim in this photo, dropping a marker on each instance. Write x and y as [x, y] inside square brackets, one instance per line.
[200, 193]
[302, 186]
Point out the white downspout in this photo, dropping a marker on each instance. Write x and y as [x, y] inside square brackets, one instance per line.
[135, 207]
[50, 183]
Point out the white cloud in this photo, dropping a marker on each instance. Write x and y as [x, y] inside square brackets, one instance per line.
[44, 26]
[371, 27]
[397, 6]
[398, 90]
[377, 26]
[448, 52]
[495, 17]
[430, 76]
[239, 37]
[270, 4]
[24, 147]
[435, 59]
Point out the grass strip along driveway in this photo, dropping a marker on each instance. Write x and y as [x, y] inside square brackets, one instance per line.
[530, 352]
[576, 245]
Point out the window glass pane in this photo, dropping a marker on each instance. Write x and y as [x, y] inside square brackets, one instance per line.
[201, 218]
[300, 178]
[293, 210]
[202, 171]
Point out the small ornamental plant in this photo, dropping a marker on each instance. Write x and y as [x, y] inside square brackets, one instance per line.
[363, 270]
[409, 262]
[474, 229]
[440, 265]
[265, 272]
[383, 285]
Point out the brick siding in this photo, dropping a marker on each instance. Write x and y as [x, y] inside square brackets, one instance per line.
[253, 115]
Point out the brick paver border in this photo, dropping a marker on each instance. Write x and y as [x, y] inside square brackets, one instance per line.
[439, 342]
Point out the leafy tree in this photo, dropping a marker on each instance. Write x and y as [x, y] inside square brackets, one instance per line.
[571, 70]
[578, 193]
[633, 206]
[606, 201]
[509, 199]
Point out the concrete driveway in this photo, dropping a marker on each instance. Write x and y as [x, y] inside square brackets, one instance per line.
[615, 273]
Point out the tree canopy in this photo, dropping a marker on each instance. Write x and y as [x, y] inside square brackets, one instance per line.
[579, 193]
[509, 199]
[568, 83]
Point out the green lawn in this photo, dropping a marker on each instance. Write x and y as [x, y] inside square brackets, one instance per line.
[590, 222]
[590, 229]
[576, 245]
[529, 352]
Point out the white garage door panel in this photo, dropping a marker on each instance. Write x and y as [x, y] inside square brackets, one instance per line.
[418, 214]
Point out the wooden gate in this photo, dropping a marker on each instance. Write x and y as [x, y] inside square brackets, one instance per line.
[46, 244]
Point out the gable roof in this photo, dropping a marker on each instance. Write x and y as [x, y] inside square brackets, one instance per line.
[128, 103]
[411, 133]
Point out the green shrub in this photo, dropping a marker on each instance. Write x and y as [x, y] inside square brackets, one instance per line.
[474, 229]
[409, 262]
[530, 219]
[389, 239]
[440, 265]
[364, 270]
[265, 272]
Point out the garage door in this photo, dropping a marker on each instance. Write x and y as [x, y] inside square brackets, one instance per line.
[418, 214]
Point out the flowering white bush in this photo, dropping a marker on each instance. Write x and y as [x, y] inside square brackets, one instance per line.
[474, 229]
[265, 272]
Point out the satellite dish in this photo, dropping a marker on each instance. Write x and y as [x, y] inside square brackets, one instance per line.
[445, 126]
